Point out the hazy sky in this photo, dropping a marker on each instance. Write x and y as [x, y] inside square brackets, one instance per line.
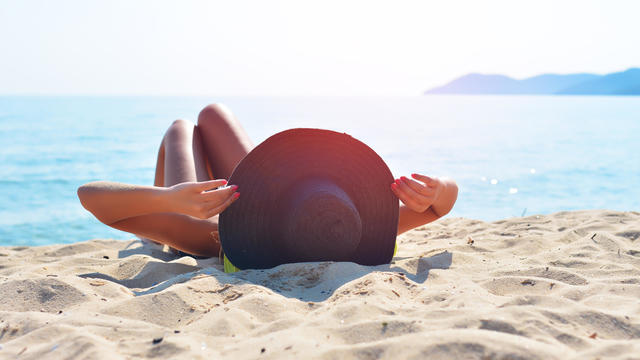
[302, 47]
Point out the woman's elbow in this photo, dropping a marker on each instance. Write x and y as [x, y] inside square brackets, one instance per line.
[87, 194]
[450, 195]
[454, 193]
[83, 195]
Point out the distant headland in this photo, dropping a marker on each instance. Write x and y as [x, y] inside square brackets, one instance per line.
[619, 83]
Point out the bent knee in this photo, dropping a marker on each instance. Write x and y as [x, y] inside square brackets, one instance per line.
[182, 123]
[215, 115]
[179, 129]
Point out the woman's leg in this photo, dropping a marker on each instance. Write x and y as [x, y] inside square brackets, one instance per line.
[180, 159]
[181, 156]
[225, 141]
[184, 158]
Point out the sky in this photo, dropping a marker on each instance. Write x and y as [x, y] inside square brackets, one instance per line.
[307, 48]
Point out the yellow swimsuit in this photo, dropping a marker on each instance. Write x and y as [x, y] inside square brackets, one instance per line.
[228, 266]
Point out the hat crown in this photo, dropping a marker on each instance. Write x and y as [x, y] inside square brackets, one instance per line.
[322, 222]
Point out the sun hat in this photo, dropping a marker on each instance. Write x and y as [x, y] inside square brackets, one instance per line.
[310, 195]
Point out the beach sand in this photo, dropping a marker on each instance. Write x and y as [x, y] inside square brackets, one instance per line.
[560, 286]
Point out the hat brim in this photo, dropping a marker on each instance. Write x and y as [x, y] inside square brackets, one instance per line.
[249, 228]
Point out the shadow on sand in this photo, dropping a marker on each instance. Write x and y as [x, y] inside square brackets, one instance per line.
[158, 270]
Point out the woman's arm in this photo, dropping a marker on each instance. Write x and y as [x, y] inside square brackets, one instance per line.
[424, 201]
[111, 202]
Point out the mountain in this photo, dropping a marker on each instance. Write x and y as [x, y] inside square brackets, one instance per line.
[620, 83]
[552, 83]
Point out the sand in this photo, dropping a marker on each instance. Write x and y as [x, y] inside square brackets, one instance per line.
[560, 286]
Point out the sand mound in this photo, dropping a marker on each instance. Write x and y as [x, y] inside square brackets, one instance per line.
[562, 286]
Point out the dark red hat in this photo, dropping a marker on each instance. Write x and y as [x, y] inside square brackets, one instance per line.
[310, 195]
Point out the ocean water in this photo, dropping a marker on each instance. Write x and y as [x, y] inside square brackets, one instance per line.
[511, 155]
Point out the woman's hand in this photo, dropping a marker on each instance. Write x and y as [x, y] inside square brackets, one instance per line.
[418, 195]
[425, 199]
[202, 199]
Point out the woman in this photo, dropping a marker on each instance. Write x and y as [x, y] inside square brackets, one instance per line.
[181, 209]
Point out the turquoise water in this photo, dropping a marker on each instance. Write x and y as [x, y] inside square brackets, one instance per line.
[511, 155]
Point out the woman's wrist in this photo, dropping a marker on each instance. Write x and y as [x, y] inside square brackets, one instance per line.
[166, 200]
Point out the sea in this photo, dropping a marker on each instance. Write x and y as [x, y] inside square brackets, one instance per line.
[510, 155]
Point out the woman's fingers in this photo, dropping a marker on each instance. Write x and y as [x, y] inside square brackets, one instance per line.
[417, 187]
[406, 189]
[425, 179]
[402, 196]
[220, 208]
[415, 195]
[408, 199]
[219, 194]
[210, 184]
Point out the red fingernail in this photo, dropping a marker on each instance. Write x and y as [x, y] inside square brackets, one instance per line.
[234, 187]
[236, 195]
[224, 182]
[404, 178]
[397, 181]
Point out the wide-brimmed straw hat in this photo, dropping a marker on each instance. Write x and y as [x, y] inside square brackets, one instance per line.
[310, 195]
